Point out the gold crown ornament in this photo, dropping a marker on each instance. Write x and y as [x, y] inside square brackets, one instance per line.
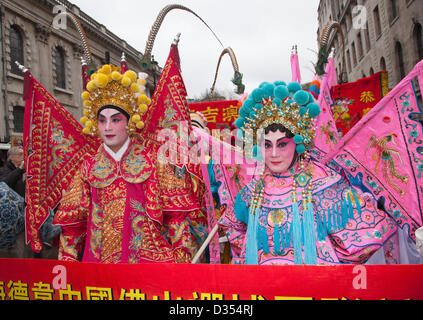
[108, 86]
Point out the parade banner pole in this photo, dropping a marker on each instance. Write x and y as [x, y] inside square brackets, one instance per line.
[205, 244]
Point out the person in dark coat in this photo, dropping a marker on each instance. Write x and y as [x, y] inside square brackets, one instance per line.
[13, 172]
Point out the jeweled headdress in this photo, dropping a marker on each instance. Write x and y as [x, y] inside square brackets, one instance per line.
[108, 86]
[279, 103]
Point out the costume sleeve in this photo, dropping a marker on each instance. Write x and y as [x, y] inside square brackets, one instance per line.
[154, 208]
[72, 217]
[234, 223]
[365, 232]
[153, 199]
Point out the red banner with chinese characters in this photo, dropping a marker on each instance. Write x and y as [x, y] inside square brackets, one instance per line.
[219, 114]
[353, 100]
[59, 280]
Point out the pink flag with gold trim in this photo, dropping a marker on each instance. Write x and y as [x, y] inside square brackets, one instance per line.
[383, 153]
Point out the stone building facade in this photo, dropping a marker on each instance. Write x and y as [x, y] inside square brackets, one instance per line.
[52, 54]
[379, 35]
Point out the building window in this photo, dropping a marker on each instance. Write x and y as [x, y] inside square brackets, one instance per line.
[60, 68]
[376, 17]
[348, 20]
[372, 72]
[349, 60]
[16, 49]
[354, 54]
[359, 46]
[367, 37]
[418, 39]
[18, 119]
[382, 64]
[394, 10]
[400, 60]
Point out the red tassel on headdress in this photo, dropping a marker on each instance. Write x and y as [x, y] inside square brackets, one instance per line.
[27, 85]
[123, 64]
[85, 76]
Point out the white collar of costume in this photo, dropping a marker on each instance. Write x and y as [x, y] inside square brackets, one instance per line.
[117, 155]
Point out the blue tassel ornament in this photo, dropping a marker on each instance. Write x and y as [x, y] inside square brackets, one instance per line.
[251, 255]
[296, 234]
[310, 253]
[264, 240]
[277, 240]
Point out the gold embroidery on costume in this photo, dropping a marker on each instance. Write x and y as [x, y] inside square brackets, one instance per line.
[68, 247]
[167, 176]
[385, 154]
[74, 204]
[113, 199]
[95, 241]
[147, 241]
[134, 167]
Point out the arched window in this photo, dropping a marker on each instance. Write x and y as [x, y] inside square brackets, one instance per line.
[400, 60]
[60, 68]
[372, 72]
[418, 39]
[382, 64]
[16, 49]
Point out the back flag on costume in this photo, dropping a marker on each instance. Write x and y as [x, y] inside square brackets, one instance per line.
[383, 153]
[54, 148]
[168, 134]
[295, 65]
[326, 130]
[169, 113]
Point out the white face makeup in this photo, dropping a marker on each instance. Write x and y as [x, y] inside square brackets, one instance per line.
[112, 128]
[278, 151]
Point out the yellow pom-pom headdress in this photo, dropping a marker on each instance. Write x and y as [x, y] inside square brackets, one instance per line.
[108, 86]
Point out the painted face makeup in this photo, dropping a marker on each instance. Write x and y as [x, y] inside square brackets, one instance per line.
[112, 128]
[278, 151]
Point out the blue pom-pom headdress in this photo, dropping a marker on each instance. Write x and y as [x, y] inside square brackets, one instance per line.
[283, 104]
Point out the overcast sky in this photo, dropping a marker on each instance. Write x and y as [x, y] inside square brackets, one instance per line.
[261, 33]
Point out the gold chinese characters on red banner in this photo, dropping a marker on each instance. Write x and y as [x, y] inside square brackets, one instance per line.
[219, 114]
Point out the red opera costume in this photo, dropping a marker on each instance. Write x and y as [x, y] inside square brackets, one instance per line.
[115, 209]
[131, 208]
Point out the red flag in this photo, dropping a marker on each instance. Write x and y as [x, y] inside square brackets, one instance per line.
[54, 148]
[353, 100]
